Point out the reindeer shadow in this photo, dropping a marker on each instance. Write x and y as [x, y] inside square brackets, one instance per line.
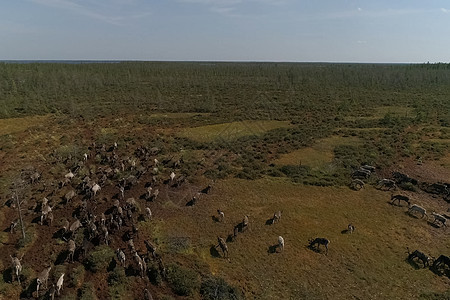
[269, 221]
[411, 215]
[272, 249]
[230, 238]
[213, 251]
[62, 257]
[433, 225]
[36, 220]
[191, 202]
[215, 219]
[7, 275]
[313, 248]
[345, 231]
[413, 264]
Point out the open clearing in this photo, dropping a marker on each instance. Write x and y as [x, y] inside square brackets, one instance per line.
[318, 155]
[14, 125]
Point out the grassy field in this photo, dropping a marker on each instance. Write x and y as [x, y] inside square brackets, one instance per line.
[266, 137]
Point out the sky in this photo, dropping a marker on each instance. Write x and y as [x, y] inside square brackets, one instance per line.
[379, 31]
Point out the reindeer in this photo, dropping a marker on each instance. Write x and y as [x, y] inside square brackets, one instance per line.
[71, 249]
[245, 223]
[34, 177]
[276, 217]
[141, 264]
[150, 248]
[439, 218]
[420, 255]
[148, 211]
[386, 183]
[16, 266]
[221, 215]
[147, 295]
[419, 209]
[223, 246]
[172, 177]
[120, 257]
[59, 284]
[51, 292]
[368, 168]
[399, 198]
[357, 184]
[319, 241]
[42, 279]
[350, 228]
[361, 174]
[13, 225]
[281, 243]
[95, 189]
[44, 213]
[69, 195]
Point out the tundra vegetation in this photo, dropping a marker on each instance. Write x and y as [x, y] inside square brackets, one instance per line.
[145, 159]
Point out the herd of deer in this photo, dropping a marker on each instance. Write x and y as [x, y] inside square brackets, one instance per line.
[119, 219]
[413, 209]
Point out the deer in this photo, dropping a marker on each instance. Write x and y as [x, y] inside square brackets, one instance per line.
[439, 218]
[419, 209]
[43, 278]
[71, 249]
[318, 242]
[276, 217]
[120, 257]
[223, 246]
[141, 264]
[59, 284]
[445, 260]
[150, 248]
[350, 228]
[281, 243]
[399, 198]
[16, 266]
[387, 183]
[221, 215]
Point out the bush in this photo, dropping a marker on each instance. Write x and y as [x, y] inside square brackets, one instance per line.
[87, 292]
[77, 276]
[100, 258]
[117, 276]
[213, 288]
[183, 281]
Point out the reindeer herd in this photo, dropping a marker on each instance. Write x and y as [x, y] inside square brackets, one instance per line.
[96, 219]
[113, 219]
[414, 210]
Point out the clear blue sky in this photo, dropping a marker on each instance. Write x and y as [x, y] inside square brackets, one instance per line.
[227, 30]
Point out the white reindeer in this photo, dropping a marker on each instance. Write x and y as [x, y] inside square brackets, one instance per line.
[281, 243]
[121, 257]
[95, 189]
[172, 176]
[16, 266]
[148, 212]
[72, 248]
[59, 284]
[440, 218]
[417, 208]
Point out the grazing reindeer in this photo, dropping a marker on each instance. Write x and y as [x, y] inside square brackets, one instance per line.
[419, 209]
[276, 217]
[16, 266]
[141, 264]
[148, 211]
[59, 284]
[120, 257]
[71, 248]
[245, 223]
[445, 260]
[319, 241]
[368, 168]
[350, 228]
[122, 191]
[147, 295]
[399, 198]
[420, 255]
[44, 213]
[440, 218]
[281, 243]
[172, 177]
[223, 246]
[12, 227]
[361, 174]
[386, 183]
[42, 279]
[51, 292]
[357, 184]
[69, 195]
[95, 189]
[150, 248]
[221, 215]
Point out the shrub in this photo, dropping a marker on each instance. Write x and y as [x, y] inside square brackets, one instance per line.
[100, 258]
[87, 292]
[217, 288]
[183, 281]
[77, 276]
[117, 276]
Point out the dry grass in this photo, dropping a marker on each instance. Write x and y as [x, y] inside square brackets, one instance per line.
[231, 131]
[368, 264]
[381, 111]
[320, 154]
[14, 125]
